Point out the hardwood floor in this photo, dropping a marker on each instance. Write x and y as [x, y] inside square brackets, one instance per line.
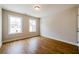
[38, 45]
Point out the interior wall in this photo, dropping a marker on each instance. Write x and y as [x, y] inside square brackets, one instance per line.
[61, 26]
[25, 27]
[0, 27]
[78, 26]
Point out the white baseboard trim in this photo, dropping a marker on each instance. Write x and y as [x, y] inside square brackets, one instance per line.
[59, 40]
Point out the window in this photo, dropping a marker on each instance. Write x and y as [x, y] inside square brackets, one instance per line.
[15, 24]
[32, 25]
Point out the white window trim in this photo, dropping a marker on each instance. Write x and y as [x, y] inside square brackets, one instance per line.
[9, 24]
[32, 18]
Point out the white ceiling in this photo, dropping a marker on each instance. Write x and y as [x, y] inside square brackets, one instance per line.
[45, 9]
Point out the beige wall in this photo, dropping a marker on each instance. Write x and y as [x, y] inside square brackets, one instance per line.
[25, 26]
[61, 26]
[0, 27]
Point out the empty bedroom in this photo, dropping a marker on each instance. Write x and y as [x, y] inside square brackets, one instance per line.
[39, 29]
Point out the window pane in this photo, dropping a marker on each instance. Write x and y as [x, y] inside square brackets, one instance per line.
[15, 25]
[32, 25]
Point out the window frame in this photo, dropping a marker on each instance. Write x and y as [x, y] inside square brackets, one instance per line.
[34, 19]
[9, 25]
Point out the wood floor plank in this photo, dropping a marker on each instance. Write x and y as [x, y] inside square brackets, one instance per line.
[38, 45]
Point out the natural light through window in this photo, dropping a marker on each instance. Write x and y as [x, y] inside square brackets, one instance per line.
[15, 24]
[32, 25]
